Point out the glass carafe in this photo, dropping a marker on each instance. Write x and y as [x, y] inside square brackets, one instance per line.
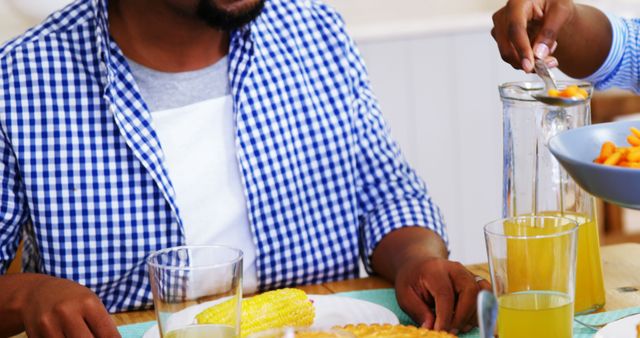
[534, 183]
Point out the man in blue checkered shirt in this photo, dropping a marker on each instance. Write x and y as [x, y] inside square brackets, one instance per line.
[131, 126]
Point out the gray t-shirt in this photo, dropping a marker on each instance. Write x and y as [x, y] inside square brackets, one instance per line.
[162, 91]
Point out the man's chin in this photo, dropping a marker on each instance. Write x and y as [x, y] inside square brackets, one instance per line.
[229, 15]
[234, 6]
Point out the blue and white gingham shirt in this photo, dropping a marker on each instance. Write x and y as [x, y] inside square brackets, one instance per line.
[622, 66]
[82, 172]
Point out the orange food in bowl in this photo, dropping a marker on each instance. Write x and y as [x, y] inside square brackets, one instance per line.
[628, 157]
[571, 92]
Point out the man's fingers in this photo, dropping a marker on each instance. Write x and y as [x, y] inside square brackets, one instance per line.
[467, 289]
[518, 16]
[416, 307]
[485, 285]
[75, 327]
[555, 16]
[444, 297]
[45, 326]
[32, 331]
[99, 321]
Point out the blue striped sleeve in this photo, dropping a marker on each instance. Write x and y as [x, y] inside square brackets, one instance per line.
[621, 68]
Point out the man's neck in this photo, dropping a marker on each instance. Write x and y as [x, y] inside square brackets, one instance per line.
[157, 36]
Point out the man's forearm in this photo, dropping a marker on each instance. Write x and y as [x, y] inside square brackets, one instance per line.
[14, 294]
[403, 245]
[584, 42]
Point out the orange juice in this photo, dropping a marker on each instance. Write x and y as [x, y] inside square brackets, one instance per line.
[589, 293]
[535, 315]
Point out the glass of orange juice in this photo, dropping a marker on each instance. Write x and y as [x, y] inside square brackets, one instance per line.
[521, 251]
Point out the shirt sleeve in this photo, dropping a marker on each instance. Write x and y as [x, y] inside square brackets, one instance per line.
[389, 192]
[13, 210]
[622, 66]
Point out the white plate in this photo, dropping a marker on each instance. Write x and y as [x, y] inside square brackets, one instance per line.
[330, 311]
[623, 328]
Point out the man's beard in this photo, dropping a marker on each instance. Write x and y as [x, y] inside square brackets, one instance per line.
[225, 20]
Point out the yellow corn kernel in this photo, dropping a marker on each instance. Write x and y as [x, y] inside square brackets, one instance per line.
[270, 310]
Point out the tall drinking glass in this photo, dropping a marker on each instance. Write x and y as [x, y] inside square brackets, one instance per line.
[532, 263]
[534, 183]
[187, 280]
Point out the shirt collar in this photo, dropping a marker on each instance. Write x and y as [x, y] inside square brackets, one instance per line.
[103, 39]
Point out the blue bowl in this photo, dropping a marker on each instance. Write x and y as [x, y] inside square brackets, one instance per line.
[576, 149]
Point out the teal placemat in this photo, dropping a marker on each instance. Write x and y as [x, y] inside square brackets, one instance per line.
[387, 298]
[580, 331]
[135, 330]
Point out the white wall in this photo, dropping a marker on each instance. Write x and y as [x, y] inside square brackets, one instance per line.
[12, 23]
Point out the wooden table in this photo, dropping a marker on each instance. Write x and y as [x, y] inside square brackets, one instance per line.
[621, 264]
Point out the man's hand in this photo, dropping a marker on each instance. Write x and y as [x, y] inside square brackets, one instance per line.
[46, 306]
[435, 292]
[439, 294]
[575, 37]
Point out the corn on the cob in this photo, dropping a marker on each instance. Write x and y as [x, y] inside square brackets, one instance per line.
[270, 310]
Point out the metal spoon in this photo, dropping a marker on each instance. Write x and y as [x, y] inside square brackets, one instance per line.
[558, 101]
[550, 83]
[547, 76]
[487, 313]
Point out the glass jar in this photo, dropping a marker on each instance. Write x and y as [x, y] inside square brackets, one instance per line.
[534, 183]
